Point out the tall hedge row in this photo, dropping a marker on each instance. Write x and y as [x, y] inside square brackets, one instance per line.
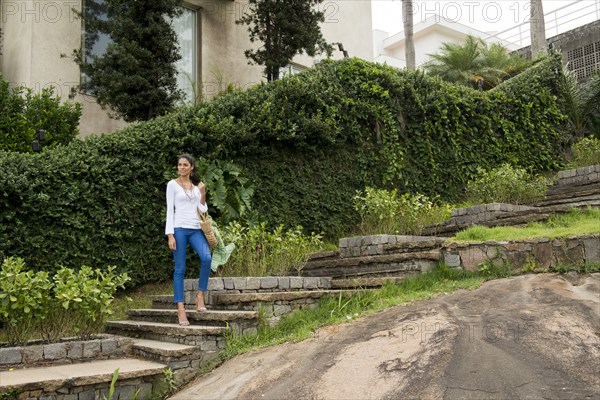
[307, 142]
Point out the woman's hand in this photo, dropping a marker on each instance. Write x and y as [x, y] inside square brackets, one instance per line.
[202, 189]
[172, 244]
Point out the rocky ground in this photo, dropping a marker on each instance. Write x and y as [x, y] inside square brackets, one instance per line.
[528, 337]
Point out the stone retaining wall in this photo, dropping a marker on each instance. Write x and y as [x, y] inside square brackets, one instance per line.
[267, 284]
[124, 389]
[582, 175]
[376, 256]
[475, 215]
[534, 254]
[66, 352]
[376, 244]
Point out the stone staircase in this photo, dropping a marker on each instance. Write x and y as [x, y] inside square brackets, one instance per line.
[151, 340]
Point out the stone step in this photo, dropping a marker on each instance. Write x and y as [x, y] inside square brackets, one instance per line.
[364, 282]
[208, 338]
[239, 321]
[184, 360]
[372, 259]
[88, 380]
[400, 264]
[239, 299]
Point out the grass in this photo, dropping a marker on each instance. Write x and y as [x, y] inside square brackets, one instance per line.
[573, 223]
[138, 297]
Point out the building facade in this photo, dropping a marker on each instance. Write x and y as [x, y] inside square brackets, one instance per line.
[37, 33]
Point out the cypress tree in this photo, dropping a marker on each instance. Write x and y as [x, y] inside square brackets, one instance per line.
[136, 77]
[286, 28]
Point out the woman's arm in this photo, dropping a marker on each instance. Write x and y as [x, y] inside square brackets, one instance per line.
[169, 225]
[202, 205]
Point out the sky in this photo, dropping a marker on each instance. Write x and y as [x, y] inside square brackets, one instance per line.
[487, 16]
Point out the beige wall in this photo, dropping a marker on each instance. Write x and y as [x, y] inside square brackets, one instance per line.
[224, 42]
[35, 35]
[37, 32]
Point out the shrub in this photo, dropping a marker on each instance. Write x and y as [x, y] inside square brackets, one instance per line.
[88, 295]
[505, 184]
[23, 112]
[384, 211]
[24, 296]
[586, 152]
[32, 305]
[261, 252]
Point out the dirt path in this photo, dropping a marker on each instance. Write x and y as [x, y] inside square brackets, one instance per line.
[528, 337]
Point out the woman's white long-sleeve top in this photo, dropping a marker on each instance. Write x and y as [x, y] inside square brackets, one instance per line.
[181, 207]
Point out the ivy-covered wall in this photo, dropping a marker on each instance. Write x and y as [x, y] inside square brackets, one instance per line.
[307, 142]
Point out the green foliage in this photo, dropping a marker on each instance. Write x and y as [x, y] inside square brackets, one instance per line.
[260, 252]
[88, 294]
[586, 152]
[505, 184]
[384, 211]
[23, 299]
[111, 390]
[228, 191]
[72, 302]
[475, 64]
[10, 394]
[22, 112]
[136, 77]
[305, 143]
[285, 29]
[490, 270]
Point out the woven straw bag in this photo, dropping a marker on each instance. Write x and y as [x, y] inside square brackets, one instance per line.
[206, 225]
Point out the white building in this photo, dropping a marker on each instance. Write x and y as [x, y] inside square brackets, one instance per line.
[428, 37]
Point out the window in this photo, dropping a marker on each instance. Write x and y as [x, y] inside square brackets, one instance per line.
[185, 27]
[291, 69]
[95, 44]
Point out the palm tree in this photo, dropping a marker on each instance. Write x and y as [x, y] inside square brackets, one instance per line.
[409, 42]
[475, 64]
[537, 28]
[581, 104]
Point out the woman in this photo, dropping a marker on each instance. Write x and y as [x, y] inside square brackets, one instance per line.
[185, 196]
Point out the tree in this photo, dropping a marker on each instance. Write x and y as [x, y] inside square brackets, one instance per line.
[23, 112]
[475, 64]
[537, 27]
[409, 41]
[286, 28]
[136, 77]
[581, 104]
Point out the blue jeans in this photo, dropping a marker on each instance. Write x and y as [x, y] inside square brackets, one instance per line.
[196, 238]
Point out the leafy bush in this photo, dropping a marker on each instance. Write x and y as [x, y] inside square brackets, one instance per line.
[88, 295]
[71, 303]
[23, 299]
[260, 252]
[23, 112]
[383, 211]
[586, 152]
[505, 184]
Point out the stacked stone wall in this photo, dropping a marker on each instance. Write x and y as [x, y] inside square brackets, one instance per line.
[524, 255]
[65, 352]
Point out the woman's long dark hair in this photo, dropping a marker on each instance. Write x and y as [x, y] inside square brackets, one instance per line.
[194, 172]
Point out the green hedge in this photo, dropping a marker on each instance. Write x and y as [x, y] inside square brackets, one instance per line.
[307, 143]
